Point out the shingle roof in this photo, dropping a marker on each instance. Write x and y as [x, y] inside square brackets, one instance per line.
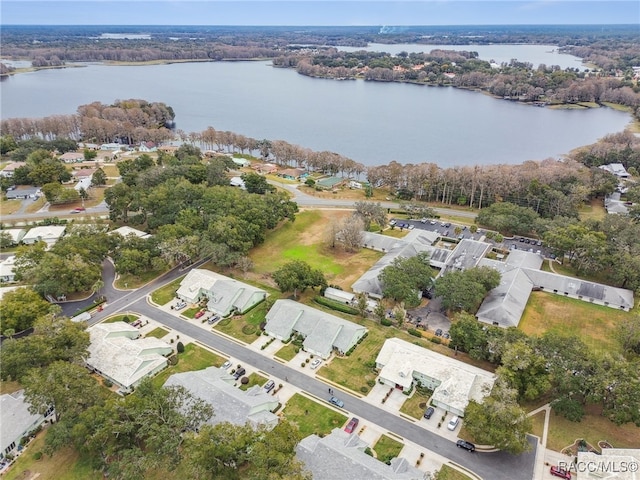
[230, 404]
[340, 455]
[15, 418]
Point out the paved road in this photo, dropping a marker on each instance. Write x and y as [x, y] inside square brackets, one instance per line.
[490, 466]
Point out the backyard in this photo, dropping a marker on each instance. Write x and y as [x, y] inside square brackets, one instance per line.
[312, 417]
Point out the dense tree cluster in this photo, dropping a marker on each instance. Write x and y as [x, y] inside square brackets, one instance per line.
[406, 278]
[20, 308]
[465, 289]
[298, 275]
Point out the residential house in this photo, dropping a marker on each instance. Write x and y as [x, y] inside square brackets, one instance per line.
[7, 266]
[241, 162]
[49, 234]
[323, 333]
[264, 168]
[237, 182]
[10, 168]
[17, 422]
[72, 157]
[84, 173]
[616, 169]
[224, 295]
[230, 404]
[111, 146]
[83, 184]
[23, 192]
[16, 234]
[125, 231]
[613, 204]
[342, 455]
[402, 364]
[292, 173]
[147, 147]
[339, 295]
[329, 183]
[118, 354]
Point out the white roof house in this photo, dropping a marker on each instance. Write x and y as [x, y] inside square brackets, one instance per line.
[125, 231]
[16, 421]
[83, 184]
[72, 157]
[617, 169]
[237, 182]
[230, 404]
[117, 354]
[338, 295]
[10, 168]
[454, 383]
[225, 295]
[49, 234]
[341, 455]
[15, 233]
[322, 331]
[612, 464]
[6, 269]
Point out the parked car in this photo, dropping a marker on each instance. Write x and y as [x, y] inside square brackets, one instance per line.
[446, 335]
[315, 363]
[522, 239]
[241, 371]
[336, 401]
[560, 472]
[213, 319]
[466, 445]
[432, 222]
[180, 305]
[199, 313]
[453, 423]
[423, 220]
[392, 223]
[428, 412]
[351, 426]
[226, 365]
[439, 332]
[269, 386]
[411, 227]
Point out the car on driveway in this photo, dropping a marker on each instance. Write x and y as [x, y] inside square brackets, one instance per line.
[241, 371]
[199, 313]
[466, 445]
[351, 426]
[428, 412]
[213, 319]
[560, 472]
[269, 386]
[180, 305]
[226, 365]
[411, 227]
[315, 363]
[392, 223]
[439, 332]
[336, 401]
[453, 423]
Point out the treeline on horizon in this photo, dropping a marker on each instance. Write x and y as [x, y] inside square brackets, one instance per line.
[551, 187]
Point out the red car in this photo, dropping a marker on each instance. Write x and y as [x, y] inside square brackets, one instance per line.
[200, 313]
[560, 472]
[351, 426]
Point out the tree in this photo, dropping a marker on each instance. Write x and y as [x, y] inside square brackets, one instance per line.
[507, 217]
[245, 264]
[350, 233]
[255, 183]
[89, 154]
[406, 278]
[361, 303]
[499, 420]
[6, 240]
[20, 308]
[371, 213]
[298, 275]
[98, 178]
[465, 290]
[628, 334]
[469, 335]
[525, 370]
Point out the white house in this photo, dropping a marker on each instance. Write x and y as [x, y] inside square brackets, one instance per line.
[49, 234]
[341, 455]
[148, 147]
[237, 182]
[83, 184]
[16, 422]
[322, 332]
[16, 234]
[72, 157]
[402, 364]
[230, 404]
[225, 295]
[616, 169]
[125, 231]
[111, 146]
[241, 162]
[10, 168]
[6, 269]
[339, 295]
[118, 355]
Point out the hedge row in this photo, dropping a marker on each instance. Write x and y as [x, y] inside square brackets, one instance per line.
[340, 307]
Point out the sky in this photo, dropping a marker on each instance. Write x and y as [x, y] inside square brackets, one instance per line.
[319, 12]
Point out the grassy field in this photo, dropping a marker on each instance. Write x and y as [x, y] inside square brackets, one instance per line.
[287, 352]
[121, 318]
[245, 328]
[8, 207]
[537, 421]
[592, 428]
[254, 379]
[66, 464]
[594, 211]
[193, 358]
[387, 448]
[190, 312]
[128, 281]
[165, 294]
[449, 473]
[157, 332]
[417, 404]
[9, 387]
[312, 417]
[593, 324]
[305, 240]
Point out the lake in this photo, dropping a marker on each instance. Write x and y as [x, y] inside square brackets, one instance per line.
[369, 122]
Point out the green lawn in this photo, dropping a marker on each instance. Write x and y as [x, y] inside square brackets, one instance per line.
[537, 421]
[157, 332]
[121, 318]
[387, 448]
[563, 316]
[287, 352]
[245, 328]
[191, 312]
[164, 295]
[312, 417]
[193, 358]
[254, 379]
[129, 281]
[417, 404]
[449, 473]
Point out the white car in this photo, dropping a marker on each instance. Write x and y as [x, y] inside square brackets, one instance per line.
[411, 227]
[453, 423]
[315, 363]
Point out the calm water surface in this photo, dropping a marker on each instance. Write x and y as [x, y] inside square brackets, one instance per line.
[372, 123]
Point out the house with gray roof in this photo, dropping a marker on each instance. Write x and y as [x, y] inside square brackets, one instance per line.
[224, 295]
[340, 455]
[230, 404]
[126, 230]
[616, 169]
[467, 254]
[402, 364]
[322, 332]
[49, 234]
[15, 234]
[16, 421]
[118, 354]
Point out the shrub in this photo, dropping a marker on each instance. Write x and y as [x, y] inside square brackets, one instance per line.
[244, 380]
[371, 383]
[303, 364]
[180, 347]
[307, 360]
[435, 340]
[386, 323]
[414, 332]
[126, 319]
[107, 383]
[249, 329]
[364, 389]
[340, 307]
[37, 455]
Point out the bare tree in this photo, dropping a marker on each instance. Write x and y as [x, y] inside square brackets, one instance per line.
[351, 233]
